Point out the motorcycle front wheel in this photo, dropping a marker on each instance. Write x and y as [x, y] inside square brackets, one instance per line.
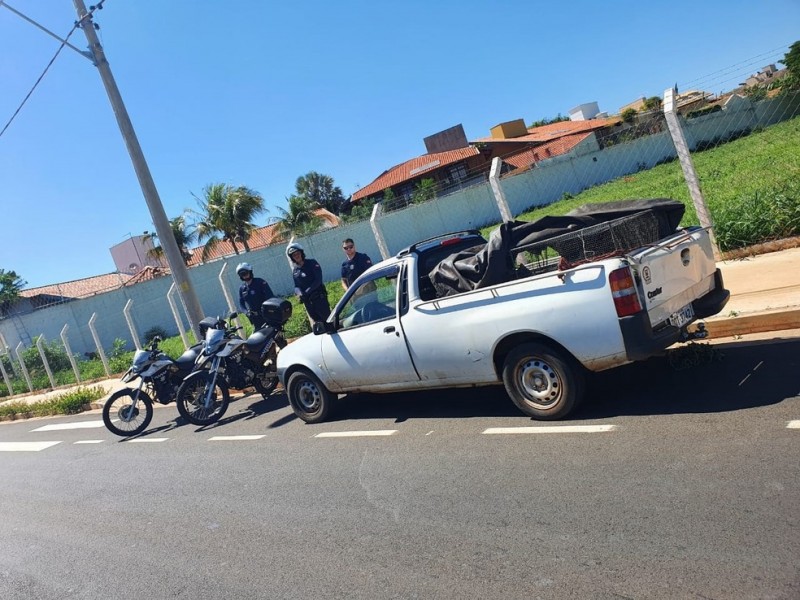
[191, 399]
[125, 417]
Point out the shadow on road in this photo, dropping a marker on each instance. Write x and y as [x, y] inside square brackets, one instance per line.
[740, 377]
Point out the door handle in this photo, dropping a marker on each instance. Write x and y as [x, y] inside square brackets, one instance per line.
[389, 329]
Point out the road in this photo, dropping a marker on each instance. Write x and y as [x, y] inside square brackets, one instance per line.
[666, 484]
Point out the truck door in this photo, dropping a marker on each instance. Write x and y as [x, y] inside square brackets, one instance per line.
[368, 349]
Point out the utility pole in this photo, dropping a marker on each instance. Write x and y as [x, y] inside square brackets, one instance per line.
[180, 273]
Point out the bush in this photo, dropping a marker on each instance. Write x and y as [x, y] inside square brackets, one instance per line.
[63, 404]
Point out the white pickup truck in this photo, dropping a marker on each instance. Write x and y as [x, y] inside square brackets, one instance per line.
[560, 309]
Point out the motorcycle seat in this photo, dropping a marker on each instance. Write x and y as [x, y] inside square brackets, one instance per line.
[186, 360]
[257, 340]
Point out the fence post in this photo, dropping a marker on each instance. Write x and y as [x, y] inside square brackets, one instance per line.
[40, 347]
[3, 370]
[65, 341]
[176, 315]
[377, 211]
[98, 345]
[227, 294]
[23, 367]
[685, 158]
[131, 326]
[5, 347]
[499, 195]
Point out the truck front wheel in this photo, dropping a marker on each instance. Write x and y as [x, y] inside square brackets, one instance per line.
[310, 400]
[542, 382]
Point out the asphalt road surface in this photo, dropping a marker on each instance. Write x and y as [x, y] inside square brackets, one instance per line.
[668, 483]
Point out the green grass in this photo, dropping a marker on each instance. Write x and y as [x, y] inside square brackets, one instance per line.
[68, 403]
[751, 187]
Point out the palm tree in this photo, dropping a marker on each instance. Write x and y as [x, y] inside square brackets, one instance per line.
[228, 211]
[10, 287]
[319, 189]
[184, 235]
[300, 219]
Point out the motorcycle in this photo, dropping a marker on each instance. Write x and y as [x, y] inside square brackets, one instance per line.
[128, 411]
[227, 362]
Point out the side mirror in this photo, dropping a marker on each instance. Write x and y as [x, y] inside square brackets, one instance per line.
[233, 315]
[322, 327]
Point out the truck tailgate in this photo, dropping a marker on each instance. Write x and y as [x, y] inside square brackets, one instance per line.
[673, 274]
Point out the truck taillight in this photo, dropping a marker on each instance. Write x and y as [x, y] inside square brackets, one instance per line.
[623, 289]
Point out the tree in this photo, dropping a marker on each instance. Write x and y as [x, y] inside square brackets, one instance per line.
[227, 211]
[791, 82]
[628, 115]
[360, 211]
[319, 189]
[652, 103]
[557, 119]
[299, 219]
[184, 234]
[10, 287]
[423, 191]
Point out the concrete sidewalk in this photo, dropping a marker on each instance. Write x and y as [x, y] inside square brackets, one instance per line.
[764, 304]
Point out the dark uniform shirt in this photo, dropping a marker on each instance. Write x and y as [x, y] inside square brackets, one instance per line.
[352, 268]
[251, 296]
[308, 279]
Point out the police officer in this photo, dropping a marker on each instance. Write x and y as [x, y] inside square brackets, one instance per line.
[252, 293]
[308, 286]
[355, 265]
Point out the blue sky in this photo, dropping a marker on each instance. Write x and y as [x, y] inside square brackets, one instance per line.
[258, 93]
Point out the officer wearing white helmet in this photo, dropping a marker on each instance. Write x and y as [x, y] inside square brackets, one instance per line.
[308, 285]
[252, 293]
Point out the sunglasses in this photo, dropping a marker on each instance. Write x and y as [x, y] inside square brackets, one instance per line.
[347, 247]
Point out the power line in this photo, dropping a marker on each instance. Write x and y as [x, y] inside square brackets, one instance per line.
[64, 42]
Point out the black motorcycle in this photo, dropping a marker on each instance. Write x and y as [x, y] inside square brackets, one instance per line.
[227, 362]
[129, 411]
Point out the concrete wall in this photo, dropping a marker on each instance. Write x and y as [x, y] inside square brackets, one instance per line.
[473, 207]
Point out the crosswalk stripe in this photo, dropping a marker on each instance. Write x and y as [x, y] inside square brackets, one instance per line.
[234, 438]
[75, 425]
[25, 446]
[793, 425]
[336, 434]
[554, 429]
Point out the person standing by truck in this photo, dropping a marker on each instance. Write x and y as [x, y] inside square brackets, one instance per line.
[308, 285]
[355, 265]
[252, 294]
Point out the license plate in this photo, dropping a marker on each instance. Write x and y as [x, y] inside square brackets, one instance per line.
[682, 317]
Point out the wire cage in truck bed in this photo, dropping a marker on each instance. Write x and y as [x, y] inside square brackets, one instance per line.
[612, 238]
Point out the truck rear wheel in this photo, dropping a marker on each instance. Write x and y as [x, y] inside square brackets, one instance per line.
[542, 382]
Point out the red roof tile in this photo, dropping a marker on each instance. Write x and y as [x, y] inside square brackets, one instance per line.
[80, 288]
[529, 156]
[412, 169]
[552, 131]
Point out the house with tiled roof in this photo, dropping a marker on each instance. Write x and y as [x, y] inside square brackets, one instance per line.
[38, 297]
[450, 162]
[522, 147]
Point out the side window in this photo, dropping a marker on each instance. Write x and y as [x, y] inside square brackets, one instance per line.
[373, 300]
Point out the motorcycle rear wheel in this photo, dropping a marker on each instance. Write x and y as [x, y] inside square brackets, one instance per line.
[191, 396]
[122, 418]
[265, 382]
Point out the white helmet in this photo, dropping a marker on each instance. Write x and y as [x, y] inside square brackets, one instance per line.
[294, 247]
[243, 267]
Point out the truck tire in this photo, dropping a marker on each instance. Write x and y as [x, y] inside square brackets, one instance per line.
[310, 400]
[542, 382]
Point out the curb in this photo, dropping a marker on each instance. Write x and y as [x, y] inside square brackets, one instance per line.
[768, 321]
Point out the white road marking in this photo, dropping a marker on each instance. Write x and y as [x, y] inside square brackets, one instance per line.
[76, 425]
[234, 438]
[146, 440]
[25, 446]
[793, 425]
[337, 434]
[554, 429]
[89, 442]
